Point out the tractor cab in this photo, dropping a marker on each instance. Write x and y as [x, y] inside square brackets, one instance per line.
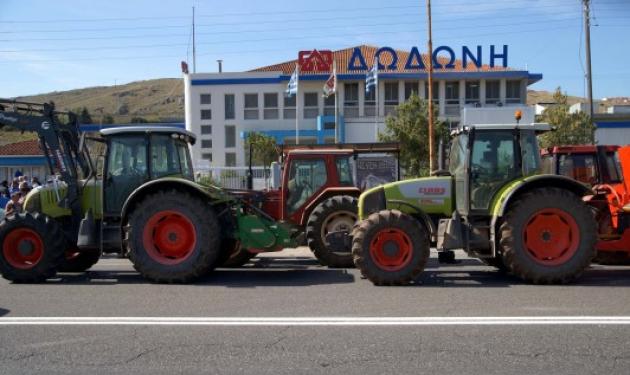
[588, 164]
[486, 158]
[136, 155]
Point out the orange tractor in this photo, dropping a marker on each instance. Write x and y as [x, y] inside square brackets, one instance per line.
[607, 170]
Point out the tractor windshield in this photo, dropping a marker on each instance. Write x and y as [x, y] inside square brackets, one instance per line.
[492, 164]
[170, 157]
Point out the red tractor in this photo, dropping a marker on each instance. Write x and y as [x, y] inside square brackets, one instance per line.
[607, 170]
[317, 193]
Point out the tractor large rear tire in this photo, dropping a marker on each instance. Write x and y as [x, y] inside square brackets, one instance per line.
[548, 237]
[337, 213]
[32, 247]
[79, 261]
[390, 248]
[173, 237]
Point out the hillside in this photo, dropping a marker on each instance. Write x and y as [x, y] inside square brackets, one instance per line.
[156, 100]
[534, 97]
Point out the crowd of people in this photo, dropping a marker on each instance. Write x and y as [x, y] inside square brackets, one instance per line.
[12, 195]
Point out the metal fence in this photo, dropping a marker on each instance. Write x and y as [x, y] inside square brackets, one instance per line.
[235, 177]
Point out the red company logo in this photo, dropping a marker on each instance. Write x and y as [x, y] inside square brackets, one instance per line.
[432, 190]
[315, 61]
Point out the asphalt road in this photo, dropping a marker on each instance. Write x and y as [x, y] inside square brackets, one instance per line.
[199, 328]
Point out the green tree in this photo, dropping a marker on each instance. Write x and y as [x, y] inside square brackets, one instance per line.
[410, 128]
[84, 116]
[570, 128]
[108, 119]
[263, 147]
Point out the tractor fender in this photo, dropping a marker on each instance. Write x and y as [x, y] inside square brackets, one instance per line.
[422, 216]
[325, 194]
[180, 184]
[517, 188]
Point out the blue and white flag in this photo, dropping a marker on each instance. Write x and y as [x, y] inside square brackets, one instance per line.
[292, 88]
[371, 79]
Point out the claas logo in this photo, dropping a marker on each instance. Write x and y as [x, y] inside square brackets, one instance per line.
[432, 190]
[315, 61]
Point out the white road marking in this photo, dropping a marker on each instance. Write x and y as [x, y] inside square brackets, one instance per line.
[320, 321]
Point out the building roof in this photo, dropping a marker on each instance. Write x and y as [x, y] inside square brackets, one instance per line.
[342, 58]
[24, 148]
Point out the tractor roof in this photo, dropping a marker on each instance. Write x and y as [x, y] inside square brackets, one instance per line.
[191, 137]
[579, 149]
[538, 127]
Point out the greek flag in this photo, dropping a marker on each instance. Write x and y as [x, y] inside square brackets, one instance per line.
[292, 88]
[371, 78]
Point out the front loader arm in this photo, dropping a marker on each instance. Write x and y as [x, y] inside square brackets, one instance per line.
[59, 141]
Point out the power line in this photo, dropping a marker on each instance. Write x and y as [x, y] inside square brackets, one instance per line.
[268, 13]
[284, 29]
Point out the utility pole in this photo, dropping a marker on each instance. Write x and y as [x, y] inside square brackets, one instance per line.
[430, 48]
[194, 50]
[589, 77]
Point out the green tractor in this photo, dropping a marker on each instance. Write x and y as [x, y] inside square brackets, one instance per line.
[143, 203]
[492, 203]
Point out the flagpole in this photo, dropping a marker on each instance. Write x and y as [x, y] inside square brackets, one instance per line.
[297, 104]
[376, 111]
[336, 108]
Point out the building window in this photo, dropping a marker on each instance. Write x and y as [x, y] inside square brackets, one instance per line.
[205, 99]
[270, 111]
[329, 106]
[230, 136]
[206, 143]
[435, 92]
[207, 156]
[452, 99]
[493, 92]
[410, 88]
[230, 107]
[513, 91]
[206, 114]
[289, 107]
[206, 129]
[311, 105]
[369, 103]
[230, 159]
[391, 97]
[472, 92]
[251, 107]
[351, 100]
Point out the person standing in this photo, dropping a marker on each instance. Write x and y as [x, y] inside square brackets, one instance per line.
[14, 206]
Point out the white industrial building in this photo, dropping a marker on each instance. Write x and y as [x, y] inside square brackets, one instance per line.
[221, 108]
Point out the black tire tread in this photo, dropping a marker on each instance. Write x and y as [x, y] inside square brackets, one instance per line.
[389, 218]
[81, 263]
[210, 236]
[313, 230]
[54, 246]
[515, 260]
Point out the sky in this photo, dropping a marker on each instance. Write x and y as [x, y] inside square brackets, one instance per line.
[67, 44]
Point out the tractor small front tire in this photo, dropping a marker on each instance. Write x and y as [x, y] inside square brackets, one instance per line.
[31, 247]
[173, 237]
[336, 213]
[390, 248]
[548, 236]
[75, 261]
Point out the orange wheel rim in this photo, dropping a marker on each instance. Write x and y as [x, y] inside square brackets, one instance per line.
[23, 248]
[391, 249]
[551, 236]
[169, 237]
